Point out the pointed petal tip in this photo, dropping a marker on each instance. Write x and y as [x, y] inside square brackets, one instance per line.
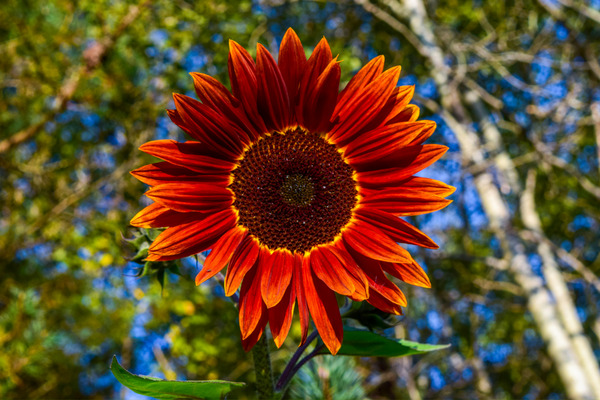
[334, 346]
[152, 257]
[278, 341]
[290, 31]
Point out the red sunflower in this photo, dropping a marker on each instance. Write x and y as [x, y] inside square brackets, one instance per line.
[295, 187]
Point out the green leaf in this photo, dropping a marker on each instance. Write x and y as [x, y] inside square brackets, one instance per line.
[369, 344]
[172, 390]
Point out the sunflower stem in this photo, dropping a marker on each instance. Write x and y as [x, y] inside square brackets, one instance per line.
[288, 373]
[262, 368]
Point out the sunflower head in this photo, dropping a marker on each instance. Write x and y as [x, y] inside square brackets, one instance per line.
[295, 187]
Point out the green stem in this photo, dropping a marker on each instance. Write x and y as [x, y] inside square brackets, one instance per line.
[262, 368]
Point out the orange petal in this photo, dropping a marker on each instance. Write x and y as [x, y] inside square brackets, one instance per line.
[276, 276]
[280, 316]
[429, 186]
[411, 273]
[242, 260]
[221, 253]
[398, 166]
[366, 75]
[425, 133]
[400, 99]
[363, 106]
[177, 120]
[184, 197]
[320, 98]
[273, 98]
[328, 268]
[380, 302]
[323, 308]
[251, 304]
[159, 216]
[242, 75]
[190, 155]
[378, 281]
[249, 341]
[301, 296]
[165, 172]
[292, 63]
[400, 202]
[372, 242]
[409, 114]
[317, 63]
[214, 94]
[213, 129]
[382, 141]
[192, 238]
[397, 229]
[361, 284]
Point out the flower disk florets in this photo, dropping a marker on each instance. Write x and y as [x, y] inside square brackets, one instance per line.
[293, 190]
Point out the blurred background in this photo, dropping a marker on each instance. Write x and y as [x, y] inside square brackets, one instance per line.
[515, 89]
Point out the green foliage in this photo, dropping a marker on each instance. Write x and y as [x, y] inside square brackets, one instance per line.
[369, 344]
[172, 390]
[328, 378]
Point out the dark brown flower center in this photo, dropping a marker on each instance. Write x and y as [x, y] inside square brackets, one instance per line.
[297, 190]
[293, 190]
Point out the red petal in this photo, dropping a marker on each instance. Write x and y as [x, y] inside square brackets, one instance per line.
[159, 216]
[280, 316]
[184, 197]
[409, 114]
[382, 141]
[251, 304]
[319, 99]
[380, 302]
[249, 342]
[177, 120]
[372, 242]
[401, 202]
[378, 281]
[397, 229]
[214, 94]
[428, 187]
[276, 276]
[292, 63]
[398, 166]
[273, 99]
[323, 308]
[242, 260]
[400, 99]
[411, 273]
[319, 60]
[210, 127]
[165, 172]
[328, 268]
[361, 284]
[425, 133]
[301, 296]
[242, 75]
[191, 238]
[190, 155]
[366, 75]
[363, 106]
[221, 253]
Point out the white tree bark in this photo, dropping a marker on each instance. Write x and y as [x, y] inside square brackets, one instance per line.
[560, 291]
